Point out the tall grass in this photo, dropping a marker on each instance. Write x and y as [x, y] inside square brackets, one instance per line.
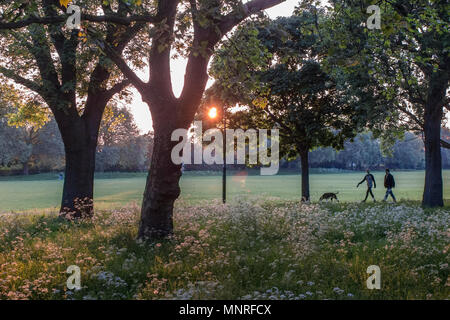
[252, 249]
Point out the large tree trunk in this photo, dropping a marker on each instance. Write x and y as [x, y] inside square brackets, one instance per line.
[78, 193]
[162, 188]
[432, 194]
[304, 159]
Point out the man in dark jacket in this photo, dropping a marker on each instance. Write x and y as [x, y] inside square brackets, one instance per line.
[370, 179]
[389, 183]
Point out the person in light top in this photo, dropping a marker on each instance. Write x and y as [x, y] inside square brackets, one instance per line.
[370, 179]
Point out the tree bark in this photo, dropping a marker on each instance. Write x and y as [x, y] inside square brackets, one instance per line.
[162, 188]
[304, 159]
[80, 147]
[433, 193]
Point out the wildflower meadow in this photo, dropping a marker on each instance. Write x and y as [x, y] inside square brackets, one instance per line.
[251, 249]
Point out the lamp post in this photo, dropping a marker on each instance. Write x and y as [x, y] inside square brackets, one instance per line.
[213, 114]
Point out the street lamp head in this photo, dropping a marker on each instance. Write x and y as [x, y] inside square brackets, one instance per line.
[212, 112]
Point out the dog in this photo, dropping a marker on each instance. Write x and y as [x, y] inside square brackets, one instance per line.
[329, 196]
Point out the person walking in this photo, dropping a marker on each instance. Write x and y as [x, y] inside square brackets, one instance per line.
[389, 183]
[370, 179]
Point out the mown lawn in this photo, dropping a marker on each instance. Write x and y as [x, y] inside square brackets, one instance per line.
[253, 248]
[44, 191]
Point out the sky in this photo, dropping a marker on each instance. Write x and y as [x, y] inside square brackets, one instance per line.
[140, 109]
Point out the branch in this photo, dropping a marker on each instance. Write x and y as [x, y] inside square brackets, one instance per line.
[413, 99]
[410, 114]
[196, 75]
[66, 48]
[101, 72]
[42, 53]
[244, 11]
[194, 14]
[159, 62]
[117, 88]
[20, 80]
[84, 17]
[445, 144]
[126, 70]
[128, 35]
[446, 104]
[277, 120]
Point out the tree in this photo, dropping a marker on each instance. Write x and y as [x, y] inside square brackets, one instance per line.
[410, 59]
[204, 23]
[72, 77]
[291, 87]
[117, 126]
[361, 153]
[28, 117]
[48, 153]
[23, 119]
[201, 25]
[421, 59]
[121, 146]
[407, 153]
[11, 150]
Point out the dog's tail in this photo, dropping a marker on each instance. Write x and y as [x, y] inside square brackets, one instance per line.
[336, 192]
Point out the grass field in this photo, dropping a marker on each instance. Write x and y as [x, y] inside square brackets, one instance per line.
[44, 191]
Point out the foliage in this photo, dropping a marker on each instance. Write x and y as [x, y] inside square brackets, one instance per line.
[121, 146]
[408, 57]
[22, 120]
[37, 151]
[287, 78]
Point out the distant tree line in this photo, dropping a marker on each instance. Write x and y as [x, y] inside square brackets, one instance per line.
[365, 152]
[31, 149]
[122, 148]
